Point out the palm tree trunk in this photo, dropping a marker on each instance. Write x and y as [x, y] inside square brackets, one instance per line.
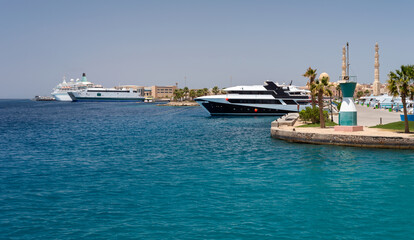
[320, 103]
[313, 101]
[407, 127]
[312, 96]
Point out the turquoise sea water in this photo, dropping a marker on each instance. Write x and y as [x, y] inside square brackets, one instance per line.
[140, 171]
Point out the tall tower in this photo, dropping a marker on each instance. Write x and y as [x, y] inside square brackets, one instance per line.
[376, 84]
[343, 63]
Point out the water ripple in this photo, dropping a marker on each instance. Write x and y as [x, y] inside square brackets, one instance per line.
[139, 171]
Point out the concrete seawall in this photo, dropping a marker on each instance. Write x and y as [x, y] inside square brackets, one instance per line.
[371, 138]
[181, 104]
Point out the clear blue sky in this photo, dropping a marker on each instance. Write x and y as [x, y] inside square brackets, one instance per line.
[159, 42]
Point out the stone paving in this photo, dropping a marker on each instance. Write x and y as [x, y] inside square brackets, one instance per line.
[330, 131]
[368, 116]
[370, 137]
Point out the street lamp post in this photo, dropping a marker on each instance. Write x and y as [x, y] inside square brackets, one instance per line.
[331, 109]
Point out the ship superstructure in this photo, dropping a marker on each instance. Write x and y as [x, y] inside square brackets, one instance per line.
[60, 92]
[106, 94]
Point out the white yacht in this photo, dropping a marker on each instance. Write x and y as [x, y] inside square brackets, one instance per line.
[99, 94]
[60, 92]
[269, 99]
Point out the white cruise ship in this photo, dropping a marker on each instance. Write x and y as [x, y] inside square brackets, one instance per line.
[60, 92]
[269, 99]
[106, 94]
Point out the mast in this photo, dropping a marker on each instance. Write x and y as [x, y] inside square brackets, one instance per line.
[343, 63]
[347, 59]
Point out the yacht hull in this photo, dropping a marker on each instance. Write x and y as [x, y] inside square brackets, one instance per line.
[218, 108]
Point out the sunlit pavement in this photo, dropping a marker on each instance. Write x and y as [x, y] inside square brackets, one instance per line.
[368, 116]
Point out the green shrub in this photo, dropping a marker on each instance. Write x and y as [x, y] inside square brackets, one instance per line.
[310, 114]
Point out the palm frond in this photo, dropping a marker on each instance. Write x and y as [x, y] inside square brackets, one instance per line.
[411, 92]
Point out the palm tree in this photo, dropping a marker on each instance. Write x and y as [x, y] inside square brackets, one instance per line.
[205, 91]
[338, 89]
[178, 94]
[311, 74]
[185, 92]
[200, 93]
[399, 85]
[193, 94]
[319, 88]
[215, 90]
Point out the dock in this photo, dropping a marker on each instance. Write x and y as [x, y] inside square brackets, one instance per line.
[369, 137]
[42, 98]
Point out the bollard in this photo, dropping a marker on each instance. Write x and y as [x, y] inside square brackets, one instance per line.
[380, 120]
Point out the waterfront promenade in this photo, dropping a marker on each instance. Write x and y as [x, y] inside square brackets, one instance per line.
[368, 116]
[369, 137]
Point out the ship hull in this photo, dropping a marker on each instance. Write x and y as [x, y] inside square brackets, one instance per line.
[219, 108]
[108, 100]
[63, 97]
[85, 97]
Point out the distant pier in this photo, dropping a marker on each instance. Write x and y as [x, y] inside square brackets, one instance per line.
[42, 98]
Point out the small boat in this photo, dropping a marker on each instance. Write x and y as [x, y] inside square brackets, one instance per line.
[409, 116]
[149, 99]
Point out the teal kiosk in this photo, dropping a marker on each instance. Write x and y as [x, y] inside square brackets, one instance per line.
[348, 113]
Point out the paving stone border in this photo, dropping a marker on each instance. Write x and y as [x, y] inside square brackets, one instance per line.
[391, 142]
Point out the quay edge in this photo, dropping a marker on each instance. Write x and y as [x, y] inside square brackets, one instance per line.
[366, 141]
